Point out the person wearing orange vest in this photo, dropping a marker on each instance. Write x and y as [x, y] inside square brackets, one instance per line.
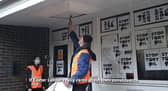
[81, 61]
[34, 76]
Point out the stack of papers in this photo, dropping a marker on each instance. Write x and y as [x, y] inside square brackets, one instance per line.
[59, 86]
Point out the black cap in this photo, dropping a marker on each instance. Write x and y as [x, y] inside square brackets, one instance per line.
[87, 38]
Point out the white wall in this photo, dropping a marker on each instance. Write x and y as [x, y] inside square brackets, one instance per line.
[140, 85]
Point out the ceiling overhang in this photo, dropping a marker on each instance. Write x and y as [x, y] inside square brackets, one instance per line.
[4, 3]
[67, 8]
[11, 6]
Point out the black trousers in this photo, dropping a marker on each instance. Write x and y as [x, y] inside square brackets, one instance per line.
[82, 87]
[37, 89]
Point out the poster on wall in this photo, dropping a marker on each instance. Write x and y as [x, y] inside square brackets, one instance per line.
[164, 58]
[86, 29]
[125, 63]
[158, 37]
[151, 15]
[60, 64]
[60, 34]
[107, 71]
[124, 22]
[60, 67]
[119, 23]
[111, 41]
[125, 44]
[152, 64]
[60, 54]
[142, 39]
[107, 62]
[108, 24]
[115, 46]
[116, 55]
[152, 59]
[109, 59]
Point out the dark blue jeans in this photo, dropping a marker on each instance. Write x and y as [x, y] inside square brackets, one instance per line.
[82, 87]
[38, 89]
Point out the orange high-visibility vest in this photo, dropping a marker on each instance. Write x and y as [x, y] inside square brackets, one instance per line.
[36, 76]
[74, 69]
